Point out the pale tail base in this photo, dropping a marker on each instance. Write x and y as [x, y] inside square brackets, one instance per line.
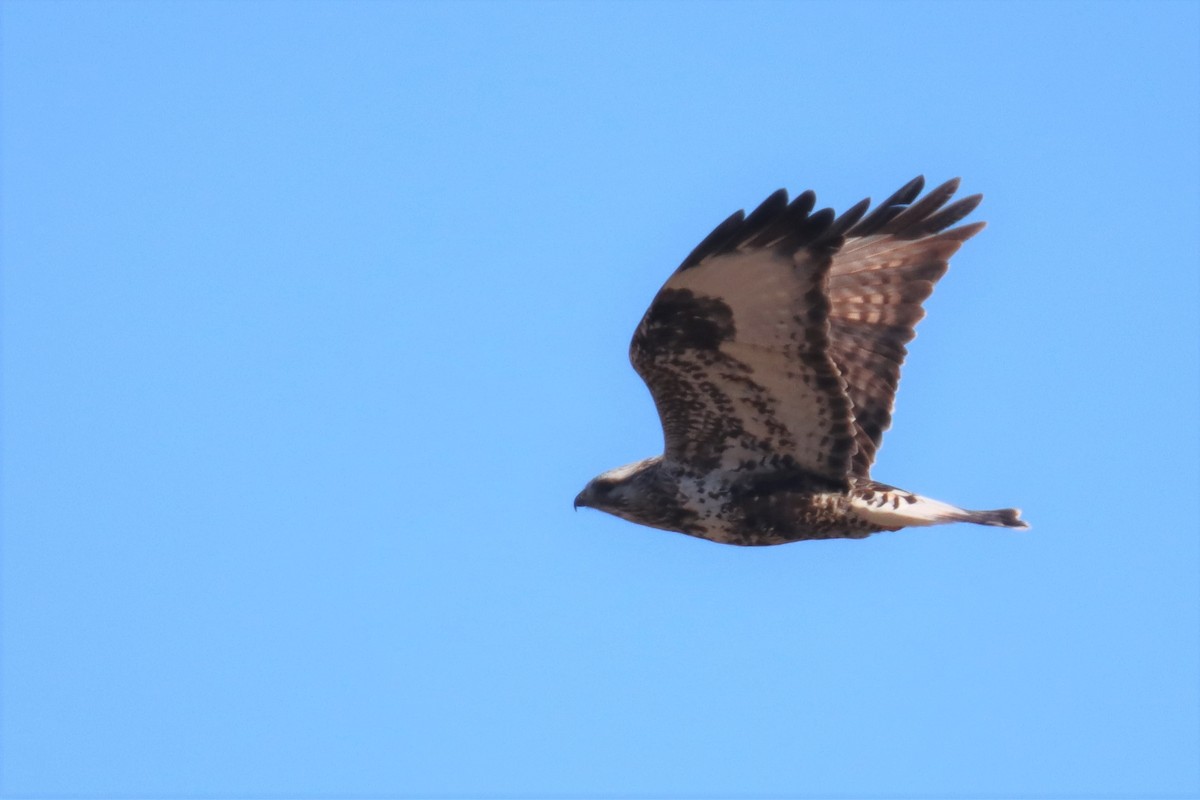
[895, 508]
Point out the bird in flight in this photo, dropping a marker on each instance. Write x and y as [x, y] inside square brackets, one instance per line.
[773, 354]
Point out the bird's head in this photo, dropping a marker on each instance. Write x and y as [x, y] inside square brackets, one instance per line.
[619, 490]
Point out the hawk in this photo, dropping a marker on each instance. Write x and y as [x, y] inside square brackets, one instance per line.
[773, 354]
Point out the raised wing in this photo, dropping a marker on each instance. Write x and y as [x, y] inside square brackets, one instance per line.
[884, 271]
[735, 348]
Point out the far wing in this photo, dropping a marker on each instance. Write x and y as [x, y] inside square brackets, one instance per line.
[735, 348]
[885, 270]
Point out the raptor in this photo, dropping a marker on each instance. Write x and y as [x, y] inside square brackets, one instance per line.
[773, 354]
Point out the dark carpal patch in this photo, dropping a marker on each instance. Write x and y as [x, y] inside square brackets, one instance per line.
[680, 320]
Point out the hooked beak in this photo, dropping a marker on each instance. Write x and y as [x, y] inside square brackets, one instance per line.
[581, 500]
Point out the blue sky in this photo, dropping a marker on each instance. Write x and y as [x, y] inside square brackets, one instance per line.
[315, 320]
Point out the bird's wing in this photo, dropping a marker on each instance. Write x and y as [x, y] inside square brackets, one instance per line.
[735, 348]
[885, 269]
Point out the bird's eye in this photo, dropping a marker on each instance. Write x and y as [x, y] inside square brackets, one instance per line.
[603, 487]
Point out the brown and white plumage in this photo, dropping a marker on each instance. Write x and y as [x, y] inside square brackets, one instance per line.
[773, 355]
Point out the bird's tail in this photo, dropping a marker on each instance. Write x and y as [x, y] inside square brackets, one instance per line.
[894, 508]
[1000, 517]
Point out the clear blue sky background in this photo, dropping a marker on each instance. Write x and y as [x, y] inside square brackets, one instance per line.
[315, 320]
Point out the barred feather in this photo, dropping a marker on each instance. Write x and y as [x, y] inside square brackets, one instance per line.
[879, 278]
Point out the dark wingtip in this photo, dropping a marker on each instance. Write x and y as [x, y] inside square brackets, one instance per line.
[790, 225]
[964, 232]
[904, 216]
[950, 214]
[889, 209]
[716, 240]
[908, 192]
[950, 186]
[766, 213]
